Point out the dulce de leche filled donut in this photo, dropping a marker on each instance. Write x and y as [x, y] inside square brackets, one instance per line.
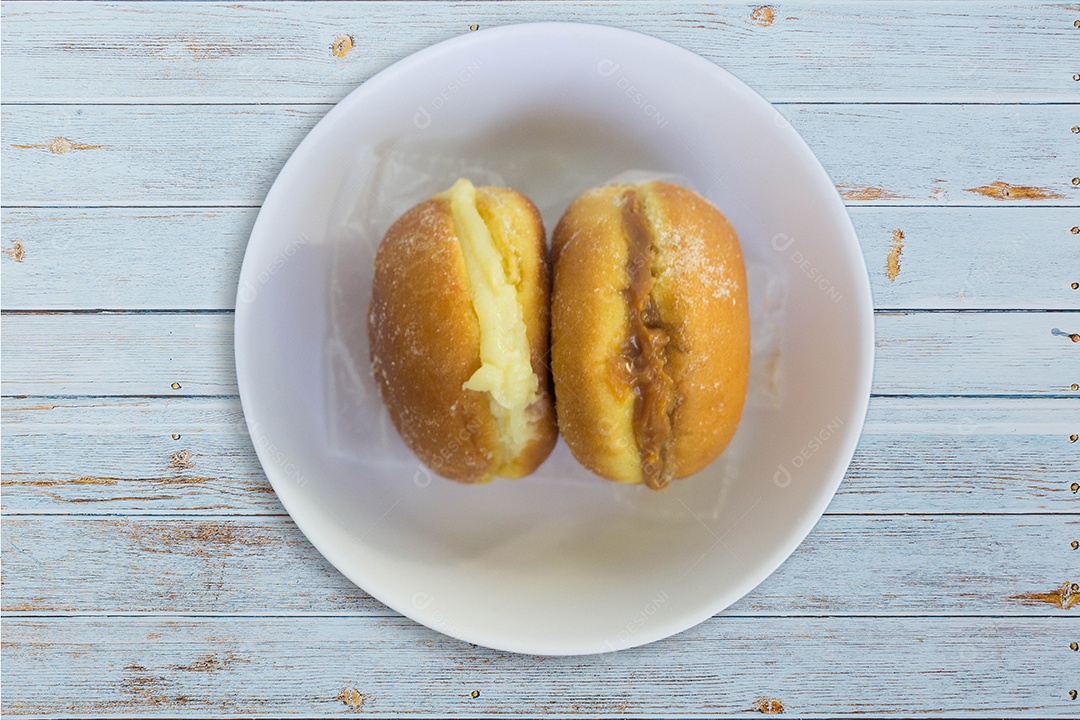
[459, 325]
[650, 332]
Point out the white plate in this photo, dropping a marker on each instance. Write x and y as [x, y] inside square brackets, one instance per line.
[561, 562]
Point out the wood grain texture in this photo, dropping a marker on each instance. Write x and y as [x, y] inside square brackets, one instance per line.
[147, 353]
[798, 51]
[123, 258]
[937, 565]
[189, 258]
[116, 455]
[302, 667]
[971, 258]
[193, 455]
[128, 354]
[955, 455]
[977, 353]
[221, 155]
[148, 567]
[148, 155]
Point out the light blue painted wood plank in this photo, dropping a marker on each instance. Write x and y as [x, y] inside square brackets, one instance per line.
[956, 455]
[971, 258]
[122, 258]
[835, 51]
[202, 565]
[112, 455]
[193, 455]
[977, 353]
[147, 155]
[126, 354]
[952, 154]
[189, 258]
[814, 667]
[936, 565]
[219, 155]
[147, 353]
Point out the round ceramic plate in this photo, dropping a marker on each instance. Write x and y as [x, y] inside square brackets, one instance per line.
[561, 562]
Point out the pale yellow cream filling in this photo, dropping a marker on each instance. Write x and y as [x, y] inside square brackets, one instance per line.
[505, 371]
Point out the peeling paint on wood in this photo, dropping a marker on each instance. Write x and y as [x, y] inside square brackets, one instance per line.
[352, 698]
[892, 262]
[1004, 191]
[342, 46]
[871, 192]
[1004, 454]
[208, 538]
[905, 52]
[59, 146]
[16, 252]
[1010, 256]
[769, 706]
[892, 666]
[97, 480]
[148, 689]
[1065, 597]
[228, 155]
[264, 565]
[189, 258]
[86, 480]
[763, 16]
[211, 50]
[210, 663]
[103, 511]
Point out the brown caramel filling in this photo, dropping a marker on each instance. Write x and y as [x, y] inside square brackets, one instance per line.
[643, 354]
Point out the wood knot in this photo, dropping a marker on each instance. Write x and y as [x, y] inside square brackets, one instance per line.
[769, 706]
[1075, 544]
[1074, 438]
[1075, 229]
[352, 697]
[1074, 646]
[1072, 694]
[763, 16]
[16, 252]
[181, 460]
[342, 46]
[474, 27]
[474, 694]
[175, 386]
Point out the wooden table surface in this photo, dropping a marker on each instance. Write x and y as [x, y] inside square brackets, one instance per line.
[148, 568]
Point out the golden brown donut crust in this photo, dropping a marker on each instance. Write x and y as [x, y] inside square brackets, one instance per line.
[699, 291]
[425, 337]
